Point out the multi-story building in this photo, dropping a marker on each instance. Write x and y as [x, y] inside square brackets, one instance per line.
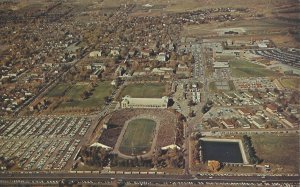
[129, 102]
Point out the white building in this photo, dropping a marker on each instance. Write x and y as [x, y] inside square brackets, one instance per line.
[129, 102]
[196, 96]
[228, 123]
[287, 122]
[162, 71]
[161, 57]
[262, 45]
[101, 145]
[114, 52]
[258, 123]
[172, 146]
[95, 54]
[221, 65]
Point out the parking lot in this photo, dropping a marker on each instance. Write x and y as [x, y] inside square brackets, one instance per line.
[198, 68]
[222, 74]
[45, 143]
[281, 56]
[253, 84]
[234, 99]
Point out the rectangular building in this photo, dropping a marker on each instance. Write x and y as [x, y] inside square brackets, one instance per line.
[129, 102]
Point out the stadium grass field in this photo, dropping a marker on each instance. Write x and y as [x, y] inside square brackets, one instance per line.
[148, 90]
[138, 137]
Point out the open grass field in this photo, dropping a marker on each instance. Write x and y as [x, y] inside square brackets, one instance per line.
[243, 68]
[182, 5]
[102, 90]
[281, 152]
[149, 90]
[212, 87]
[274, 29]
[291, 83]
[59, 90]
[224, 58]
[138, 137]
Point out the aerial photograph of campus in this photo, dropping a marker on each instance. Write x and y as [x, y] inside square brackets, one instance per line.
[129, 93]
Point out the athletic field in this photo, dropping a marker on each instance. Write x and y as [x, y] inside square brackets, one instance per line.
[243, 68]
[148, 90]
[138, 137]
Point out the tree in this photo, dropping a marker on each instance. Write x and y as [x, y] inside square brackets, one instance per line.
[116, 59]
[214, 165]
[124, 52]
[250, 149]
[209, 103]
[118, 81]
[295, 98]
[276, 91]
[191, 103]
[107, 100]
[207, 106]
[85, 95]
[192, 114]
[155, 158]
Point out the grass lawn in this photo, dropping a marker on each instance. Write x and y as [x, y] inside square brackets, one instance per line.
[233, 169]
[243, 68]
[149, 90]
[138, 137]
[231, 85]
[291, 83]
[102, 90]
[281, 152]
[212, 87]
[58, 90]
[225, 58]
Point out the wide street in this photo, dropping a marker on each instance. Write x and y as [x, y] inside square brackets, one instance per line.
[96, 178]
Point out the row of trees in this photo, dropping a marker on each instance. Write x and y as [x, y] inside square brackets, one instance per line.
[99, 157]
[180, 130]
[95, 156]
[207, 106]
[171, 158]
[196, 151]
[137, 161]
[253, 159]
[6, 163]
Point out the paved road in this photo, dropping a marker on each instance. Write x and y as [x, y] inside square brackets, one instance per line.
[251, 131]
[40, 178]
